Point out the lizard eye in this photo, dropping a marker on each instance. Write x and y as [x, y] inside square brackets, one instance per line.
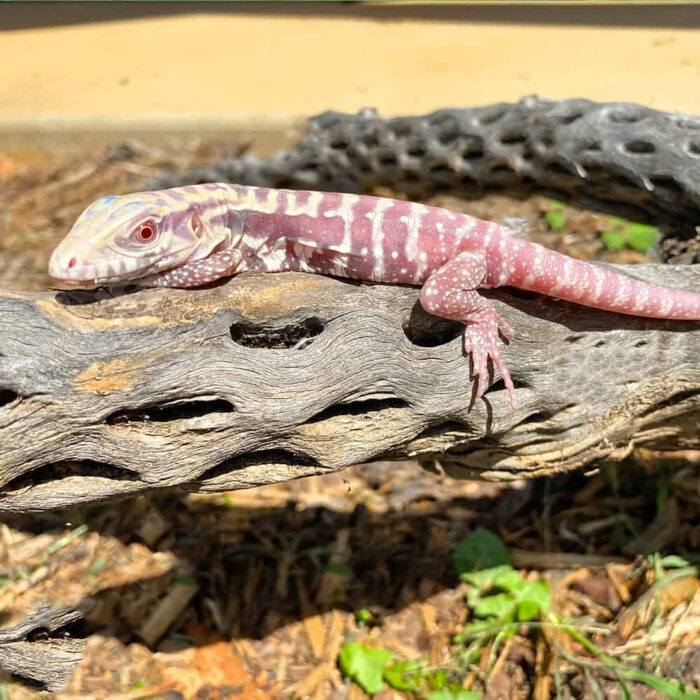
[146, 232]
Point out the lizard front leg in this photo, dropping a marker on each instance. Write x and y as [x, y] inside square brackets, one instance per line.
[210, 269]
[450, 292]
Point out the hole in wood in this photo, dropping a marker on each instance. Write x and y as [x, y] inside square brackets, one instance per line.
[546, 415]
[448, 137]
[7, 396]
[428, 331]
[621, 116]
[691, 124]
[442, 173]
[255, 459]
[295, 335]
[442, 429]
[670, 402]
[640, 147]
[623, 181]
[500, 173]
[472, 154]
[571, 118]
[513, 139]
[557, 169]
[163, 413]
[355, 408]
[57, 471]
[491, 118]
[500, 385]
[416, 152]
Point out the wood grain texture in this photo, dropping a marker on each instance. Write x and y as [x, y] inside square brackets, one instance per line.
[267, 378]
[50, 661]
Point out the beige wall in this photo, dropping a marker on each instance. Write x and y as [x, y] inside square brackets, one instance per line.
[220, 66]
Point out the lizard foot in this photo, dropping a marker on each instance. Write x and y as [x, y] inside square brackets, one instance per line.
[481, 341]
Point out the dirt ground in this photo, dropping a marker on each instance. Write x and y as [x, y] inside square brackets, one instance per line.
[257, 594]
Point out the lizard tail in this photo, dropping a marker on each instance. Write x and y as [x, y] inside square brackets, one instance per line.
[545, 271]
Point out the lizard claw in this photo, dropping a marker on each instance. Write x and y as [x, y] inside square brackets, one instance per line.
[481, 341]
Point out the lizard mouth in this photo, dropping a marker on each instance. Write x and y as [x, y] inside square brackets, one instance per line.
[92, 276]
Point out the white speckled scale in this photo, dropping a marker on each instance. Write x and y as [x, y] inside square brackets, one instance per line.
[189, 236]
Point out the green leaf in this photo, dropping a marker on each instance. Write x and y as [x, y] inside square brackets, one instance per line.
[555, 220]
[642, 237]
[486, 578]
[528, 610]
[500, 605]
[481, 550]
[613, 240]
[511, 581]
[539, 593]
[460, 694]
[404, 675]
[364, 665]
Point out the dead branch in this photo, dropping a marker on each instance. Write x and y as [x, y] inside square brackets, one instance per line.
[49, 661]
[267, 378]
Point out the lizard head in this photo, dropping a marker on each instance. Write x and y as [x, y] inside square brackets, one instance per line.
[133, 237]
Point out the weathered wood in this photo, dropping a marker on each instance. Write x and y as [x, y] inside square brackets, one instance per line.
[274, 377]
[49, 661]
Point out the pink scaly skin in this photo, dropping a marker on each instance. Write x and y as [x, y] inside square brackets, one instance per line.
[190, 236]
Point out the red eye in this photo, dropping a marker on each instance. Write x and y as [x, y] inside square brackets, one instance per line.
[146, 232]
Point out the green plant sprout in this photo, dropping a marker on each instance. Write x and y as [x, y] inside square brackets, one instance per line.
[555, 216]
[629, 234]
[618, 235]
[502, 602]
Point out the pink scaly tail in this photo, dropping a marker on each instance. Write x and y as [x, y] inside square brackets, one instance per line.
[530, 266]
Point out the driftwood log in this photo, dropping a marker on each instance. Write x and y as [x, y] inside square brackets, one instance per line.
[268, 378]
[48, 658]
[615, 156]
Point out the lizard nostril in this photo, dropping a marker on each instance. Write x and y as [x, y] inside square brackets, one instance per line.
[72, 262]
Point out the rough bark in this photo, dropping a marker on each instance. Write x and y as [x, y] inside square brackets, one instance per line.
[48, 661]
[268, 378]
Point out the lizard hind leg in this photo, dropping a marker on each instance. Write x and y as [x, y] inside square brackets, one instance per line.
[450, 292]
